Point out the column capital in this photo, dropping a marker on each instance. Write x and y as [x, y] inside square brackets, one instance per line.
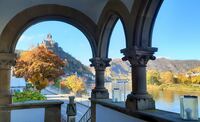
[138, 56]
[100, 63]
[7, 60]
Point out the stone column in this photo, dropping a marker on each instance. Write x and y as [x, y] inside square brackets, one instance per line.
[100, 64]
[6, 61]
[139, 99]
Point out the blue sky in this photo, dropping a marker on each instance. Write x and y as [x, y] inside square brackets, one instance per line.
[176, 34]
[70, 39]
[177, 30]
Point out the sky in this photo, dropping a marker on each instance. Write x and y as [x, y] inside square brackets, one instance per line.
[177, 30]
[70, 39]
[176, 34]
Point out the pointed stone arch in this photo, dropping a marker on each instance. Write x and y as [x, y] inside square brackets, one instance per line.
[143, 15]
[110, 15]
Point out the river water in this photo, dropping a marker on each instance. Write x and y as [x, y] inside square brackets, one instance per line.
[165, 100]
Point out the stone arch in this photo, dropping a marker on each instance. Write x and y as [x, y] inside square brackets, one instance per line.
[143, 15]
[110, 15]
[35, 14]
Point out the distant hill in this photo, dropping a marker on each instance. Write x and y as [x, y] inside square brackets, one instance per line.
[122, 69]
[177, 66]
[119, 68]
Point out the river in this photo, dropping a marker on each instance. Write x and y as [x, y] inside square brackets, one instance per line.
[165, 100]
[170, 100]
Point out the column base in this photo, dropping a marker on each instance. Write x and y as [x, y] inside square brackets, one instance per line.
[100, 94]
[139, 102]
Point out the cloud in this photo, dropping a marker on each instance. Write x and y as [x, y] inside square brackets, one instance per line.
[163, 57]
[30, 37]
[25, 38]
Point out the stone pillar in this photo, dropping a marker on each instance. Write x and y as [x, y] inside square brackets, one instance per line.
[6, 61]
[100, 64]
[139, 99]
[71, 110]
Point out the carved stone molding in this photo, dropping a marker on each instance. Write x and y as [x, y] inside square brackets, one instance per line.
[100, 63]
[138, 56]
[7, 60]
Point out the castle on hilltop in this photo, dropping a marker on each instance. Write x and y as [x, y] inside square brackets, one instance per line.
[49, 42]
[74, 65]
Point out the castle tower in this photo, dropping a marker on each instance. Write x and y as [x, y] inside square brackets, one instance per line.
[49, 37]
[48, 42]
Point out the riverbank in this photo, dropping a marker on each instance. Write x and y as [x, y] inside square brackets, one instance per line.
[175, 87]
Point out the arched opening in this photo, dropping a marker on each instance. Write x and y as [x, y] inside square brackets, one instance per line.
[118, 72]
[176, 34]
[63, 32]
[69, 44]
[117, 41]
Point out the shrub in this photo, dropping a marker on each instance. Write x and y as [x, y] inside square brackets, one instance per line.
[27, 96]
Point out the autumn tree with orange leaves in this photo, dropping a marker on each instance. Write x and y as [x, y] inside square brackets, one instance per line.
[38, 66]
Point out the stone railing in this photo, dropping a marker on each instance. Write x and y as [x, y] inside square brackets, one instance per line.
[106, 110]
[51, 110]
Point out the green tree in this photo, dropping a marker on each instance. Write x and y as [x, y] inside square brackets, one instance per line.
[182, 78]
[195, 79]
[167, 77]
[153, 77]
[194, 70]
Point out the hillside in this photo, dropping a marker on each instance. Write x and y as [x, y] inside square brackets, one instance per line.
[122, 69]
[177, 66]
[118, 69]
[73, 65]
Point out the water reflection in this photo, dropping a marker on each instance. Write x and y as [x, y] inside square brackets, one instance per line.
[165, 100]
[155, 94]
[167, 95]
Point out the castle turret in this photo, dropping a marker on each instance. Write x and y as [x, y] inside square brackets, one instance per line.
[48, 42]
[49, 37]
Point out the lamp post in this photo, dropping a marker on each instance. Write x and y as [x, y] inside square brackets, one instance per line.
[124, 87]
[117, 89]
[189, 107]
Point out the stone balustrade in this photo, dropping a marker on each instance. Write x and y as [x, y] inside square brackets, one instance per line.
[52, 109]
